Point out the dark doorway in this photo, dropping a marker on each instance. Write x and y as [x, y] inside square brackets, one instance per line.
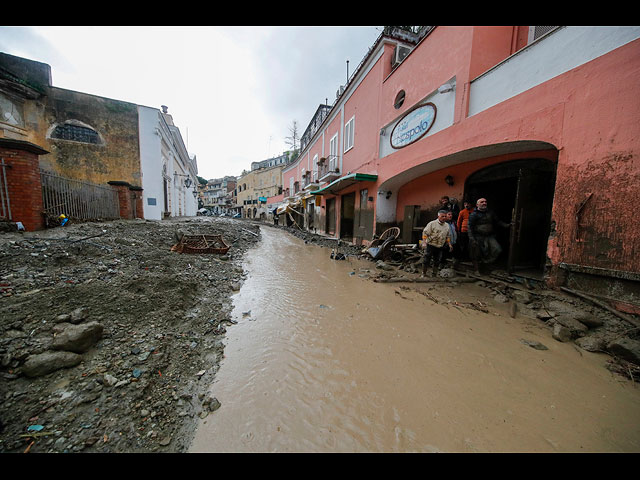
[347, 215]
[331, 216]
[520, 191]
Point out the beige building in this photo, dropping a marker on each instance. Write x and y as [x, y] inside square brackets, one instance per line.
[254, 187]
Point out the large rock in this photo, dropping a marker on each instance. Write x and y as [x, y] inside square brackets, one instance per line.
[625, 348]
[569, 321]
[591, 343]
[78, 338]
[47, 362]
[562, 333]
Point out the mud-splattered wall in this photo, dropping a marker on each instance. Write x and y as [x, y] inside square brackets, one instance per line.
[598, 213]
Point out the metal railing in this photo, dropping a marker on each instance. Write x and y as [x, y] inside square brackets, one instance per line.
[78, 199]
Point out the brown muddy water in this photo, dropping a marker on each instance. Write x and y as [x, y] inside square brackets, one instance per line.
[325, 360]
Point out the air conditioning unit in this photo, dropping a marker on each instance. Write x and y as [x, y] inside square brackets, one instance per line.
[400, 52]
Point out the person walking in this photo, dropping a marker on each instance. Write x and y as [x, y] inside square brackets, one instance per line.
[436, 237]
[482, 234]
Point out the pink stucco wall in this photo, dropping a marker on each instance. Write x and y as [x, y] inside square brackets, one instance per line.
[588, 117]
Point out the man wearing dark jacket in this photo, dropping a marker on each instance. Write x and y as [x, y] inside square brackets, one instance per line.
[483, 223]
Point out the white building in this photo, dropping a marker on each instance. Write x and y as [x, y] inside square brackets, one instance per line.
[168, 173]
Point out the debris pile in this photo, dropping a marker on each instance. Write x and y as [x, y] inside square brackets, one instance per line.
[108, 340]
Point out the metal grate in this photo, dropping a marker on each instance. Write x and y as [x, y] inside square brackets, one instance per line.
[76, 133]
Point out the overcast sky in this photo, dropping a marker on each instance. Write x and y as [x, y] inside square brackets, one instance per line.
[233, 91]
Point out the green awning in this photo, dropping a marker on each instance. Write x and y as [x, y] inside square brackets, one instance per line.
[343, 182]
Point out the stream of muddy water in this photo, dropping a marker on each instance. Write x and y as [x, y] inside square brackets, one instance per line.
[323, 359]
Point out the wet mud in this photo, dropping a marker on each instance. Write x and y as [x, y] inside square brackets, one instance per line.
[325, 359]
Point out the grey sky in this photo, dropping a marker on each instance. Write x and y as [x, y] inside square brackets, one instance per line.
[232, 91]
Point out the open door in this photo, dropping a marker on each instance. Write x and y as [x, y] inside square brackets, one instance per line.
[531, 221]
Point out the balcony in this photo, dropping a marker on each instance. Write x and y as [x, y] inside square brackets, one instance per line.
[328, 169]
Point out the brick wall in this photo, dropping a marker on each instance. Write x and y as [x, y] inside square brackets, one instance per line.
[23, 182]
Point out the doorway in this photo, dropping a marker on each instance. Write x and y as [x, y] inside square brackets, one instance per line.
[519, 191]
[347, 215]
[331, 216]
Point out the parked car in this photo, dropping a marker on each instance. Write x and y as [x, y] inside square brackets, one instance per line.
[237, 215]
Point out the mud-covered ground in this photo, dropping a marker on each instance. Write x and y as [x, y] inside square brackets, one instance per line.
[109, 341]
[136, 328]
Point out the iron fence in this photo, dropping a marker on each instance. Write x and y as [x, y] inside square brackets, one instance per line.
[78, 199]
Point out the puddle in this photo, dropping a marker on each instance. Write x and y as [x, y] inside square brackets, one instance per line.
[323, 360]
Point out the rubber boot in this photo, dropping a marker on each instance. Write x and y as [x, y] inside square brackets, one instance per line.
[434, 272]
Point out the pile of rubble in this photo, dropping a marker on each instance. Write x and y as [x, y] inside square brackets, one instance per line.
[108, 339]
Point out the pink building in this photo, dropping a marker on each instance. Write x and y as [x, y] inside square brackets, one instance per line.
[541, 121]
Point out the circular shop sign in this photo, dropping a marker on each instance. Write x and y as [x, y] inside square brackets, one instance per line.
[413, 126]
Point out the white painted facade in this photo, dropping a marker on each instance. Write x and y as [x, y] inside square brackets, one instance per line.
[551, 55]
[168, 173]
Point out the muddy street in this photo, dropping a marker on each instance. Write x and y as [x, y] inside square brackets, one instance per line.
[323, 359]
[112, 342]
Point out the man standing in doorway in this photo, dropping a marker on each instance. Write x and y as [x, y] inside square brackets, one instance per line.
[436, 237]
[451, 206]
[482, 235]
[463, 230]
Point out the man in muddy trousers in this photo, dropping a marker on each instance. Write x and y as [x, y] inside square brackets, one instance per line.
[436, 239]
[454, 253]
[483, 223]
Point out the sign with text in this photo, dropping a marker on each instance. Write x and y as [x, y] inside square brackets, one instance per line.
[413, 126]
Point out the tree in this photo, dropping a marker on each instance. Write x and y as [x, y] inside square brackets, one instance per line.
[294, 138]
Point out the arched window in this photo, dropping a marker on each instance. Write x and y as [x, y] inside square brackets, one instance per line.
[76, 133]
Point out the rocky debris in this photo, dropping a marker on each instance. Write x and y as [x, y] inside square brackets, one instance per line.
[47, 362]
[625, 348]
[106, 335]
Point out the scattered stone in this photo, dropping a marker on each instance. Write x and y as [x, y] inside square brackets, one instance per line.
[569, 321]
[534, 344]
[522, 297]
[625, 348]
[78, 338]
[447, 273]
[47, 362]
[562, 333]
[109, 380]
[589, 320]
[500, 298]
[591, 343]
[78, 315]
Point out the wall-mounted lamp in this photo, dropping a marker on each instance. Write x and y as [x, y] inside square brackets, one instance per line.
[449, 180]
[187, 182]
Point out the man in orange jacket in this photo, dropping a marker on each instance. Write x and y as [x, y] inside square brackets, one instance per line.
[463, 231]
